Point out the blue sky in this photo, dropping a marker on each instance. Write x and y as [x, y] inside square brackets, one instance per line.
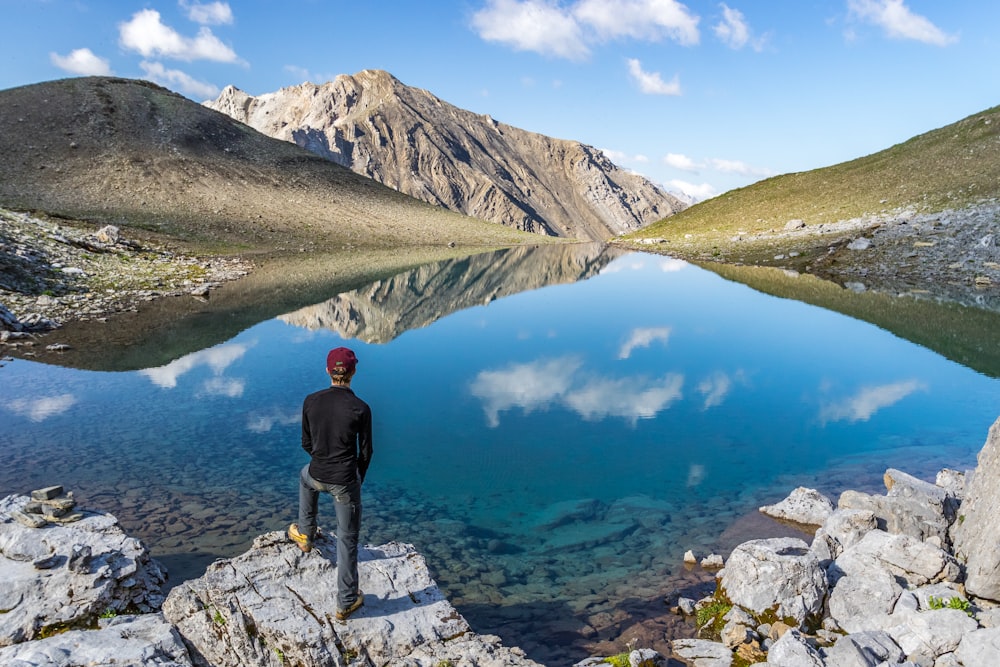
[699, 96]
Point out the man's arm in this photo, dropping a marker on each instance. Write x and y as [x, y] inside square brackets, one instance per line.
[306, 436]
[365, 449]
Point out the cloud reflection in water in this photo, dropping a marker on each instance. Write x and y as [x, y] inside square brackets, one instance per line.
[40, 409]
[869, 400]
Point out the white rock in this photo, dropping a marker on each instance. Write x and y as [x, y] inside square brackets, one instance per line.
[842, 529]
[856, 600]
[860, 244]
[793, 650]
[779, 573]
[806, 506]
[863, 649]
[70, 573]
[702, 653]
[980, 648]
[977, 531]
[124, 641]
[925, 635]
[905, 557]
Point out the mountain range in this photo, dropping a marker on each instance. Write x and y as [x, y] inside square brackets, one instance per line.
[427, 148]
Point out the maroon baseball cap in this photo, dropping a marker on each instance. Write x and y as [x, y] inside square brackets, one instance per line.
[341, 357]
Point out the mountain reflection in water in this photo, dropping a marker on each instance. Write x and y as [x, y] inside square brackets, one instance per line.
[554, 427]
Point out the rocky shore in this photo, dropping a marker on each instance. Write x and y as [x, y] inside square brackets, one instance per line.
[53, 272]
[905, 578]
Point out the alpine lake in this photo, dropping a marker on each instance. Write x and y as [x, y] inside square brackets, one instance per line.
[554, 426]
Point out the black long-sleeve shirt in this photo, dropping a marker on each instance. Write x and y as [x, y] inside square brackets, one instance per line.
[337, 433]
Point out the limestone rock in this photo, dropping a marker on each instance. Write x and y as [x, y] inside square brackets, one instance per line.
[925, 635]
[702, 653]
[806, 506]
[125, 640]
[907, 558]
[273, 598]
[856, 600]
[980, 648]
[779, 574]
[793, 649]
[952, 481]
[418, 144]
[842, 529]
[70, 574]
[863, 649]
[978, 532]
[911, 507]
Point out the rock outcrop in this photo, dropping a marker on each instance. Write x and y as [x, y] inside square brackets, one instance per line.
[418, 144]
[67, 575]
[888, 591]
[977, 535]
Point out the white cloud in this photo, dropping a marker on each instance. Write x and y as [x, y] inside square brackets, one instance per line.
[531, 25]
[899, 21]
[715, 389]
[83, 62]
[217, 358]
[303, 74]
[868, 401]
[639, 19]
[679, 161]
[738, 167]
[643, 337]
[263, 423]
[527, 386]
[631, 398]
[147, 35]
[673, 265]
[178, 80]
[621, 157]
[734, 31]
[220, 386]
[650, 82]
[697, 192]
[212, 13]
[40, 409]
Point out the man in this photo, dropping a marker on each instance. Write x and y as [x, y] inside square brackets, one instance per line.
[337, 434]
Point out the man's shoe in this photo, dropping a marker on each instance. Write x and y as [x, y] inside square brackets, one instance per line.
[303, 541]
[344, 613]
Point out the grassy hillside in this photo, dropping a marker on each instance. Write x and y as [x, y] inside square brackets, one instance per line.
[951, 167]
[106, 150]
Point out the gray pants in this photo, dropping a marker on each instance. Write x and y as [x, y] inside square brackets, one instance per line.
[347, 504]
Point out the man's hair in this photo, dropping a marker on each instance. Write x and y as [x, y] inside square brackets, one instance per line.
[341, 375]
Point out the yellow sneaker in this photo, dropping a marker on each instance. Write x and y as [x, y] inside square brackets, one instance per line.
[344, 613]
[303, 541]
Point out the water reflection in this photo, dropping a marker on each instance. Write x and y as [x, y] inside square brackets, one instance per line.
[862, 405]
[381, 311]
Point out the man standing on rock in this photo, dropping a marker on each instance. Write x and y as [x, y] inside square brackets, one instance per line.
[337, 433]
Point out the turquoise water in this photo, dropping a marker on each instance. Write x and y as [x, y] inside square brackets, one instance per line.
[552, 452]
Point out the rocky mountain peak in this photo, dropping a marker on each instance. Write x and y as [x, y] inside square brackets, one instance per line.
[416, 143]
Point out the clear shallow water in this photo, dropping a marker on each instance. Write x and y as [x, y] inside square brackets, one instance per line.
[553, 453]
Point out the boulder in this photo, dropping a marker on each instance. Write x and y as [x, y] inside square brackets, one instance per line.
[856, 600]
[926, 635]
[977, 534]
[779, 575]
[702, 653]
[911, 507]
[275, 600]
[124, 640]
[952, 481]
[67, 575]
[805, 506]
[907, 558]
[980, 648]
[842, 529]
[793, 649]
[863, 649]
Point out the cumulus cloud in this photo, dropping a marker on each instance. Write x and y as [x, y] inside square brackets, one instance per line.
[216, 358]
[868, 401]
[682, 162]
[527, 386]
[630, 398]
[211, 13]
[651, 83]
[695, 191]
[673, 265]
[178, 80]
[738, 167]
[550, 28]
[220, 386]
[716, 388]
[40, 409]
[651, 20]
[83, 62]
[147, 35]
[531, 25]
[643, 337]
[899, 21]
